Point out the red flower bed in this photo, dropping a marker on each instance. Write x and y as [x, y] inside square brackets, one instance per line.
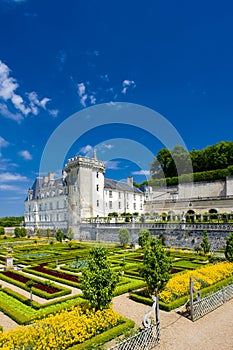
[57, 274]
[22, 279]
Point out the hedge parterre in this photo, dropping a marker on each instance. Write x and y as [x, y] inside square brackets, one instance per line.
[23, 279]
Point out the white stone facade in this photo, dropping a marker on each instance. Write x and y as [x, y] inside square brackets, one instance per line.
[82, 193]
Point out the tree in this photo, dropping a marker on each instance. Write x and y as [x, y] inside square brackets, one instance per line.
[205, 243]
[143, 236]
[156, 266]
[229, 247]
[17, 232]
[124, 236]
[70, 234]
[39, 233]
[23, 232]
[48, 233]
[2, 230]
[59, 235]
[30, 284]
[98, 282]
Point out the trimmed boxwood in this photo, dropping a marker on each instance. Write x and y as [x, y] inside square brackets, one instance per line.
[61, 290]
[129, 286]
[23, 314]
[106, 336]
[56, 279]
[181, 301]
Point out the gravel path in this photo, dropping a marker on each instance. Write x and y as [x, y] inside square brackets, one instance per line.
[213, 331]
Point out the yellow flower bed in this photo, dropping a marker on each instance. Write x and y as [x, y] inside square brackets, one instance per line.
[178, 285]
[60, 331]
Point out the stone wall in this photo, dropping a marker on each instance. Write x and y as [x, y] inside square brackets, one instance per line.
[175, 238]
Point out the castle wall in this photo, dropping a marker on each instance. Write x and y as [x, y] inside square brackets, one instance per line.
[229, 186]
[175, 238]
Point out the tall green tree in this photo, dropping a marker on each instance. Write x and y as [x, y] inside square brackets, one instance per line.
[156, 266]
[70, 234]
[229, 247]
[2, 230]
[59, 235]
[205, 243]
[143, 236]
[30, 284]
[124, 236]
[98, 281]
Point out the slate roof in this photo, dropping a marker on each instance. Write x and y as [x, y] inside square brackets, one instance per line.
[38, 184]
[120, 186]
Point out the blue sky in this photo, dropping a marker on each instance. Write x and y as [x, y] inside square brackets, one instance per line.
[60, 57]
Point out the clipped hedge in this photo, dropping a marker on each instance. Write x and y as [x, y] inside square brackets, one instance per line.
[181, 301]
[129, 286]
[63, 291]
[105, 336]
[24, 314]
[56, 279]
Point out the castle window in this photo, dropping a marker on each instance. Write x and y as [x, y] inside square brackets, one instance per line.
[141, 206]
[97, 187]
[97, 203]
[110, 194]
[97, 174]
[45, 206]
[51, 206]
[134, 197]
[134, 206]
[119, 205]
[57, 205]
[140, 197]
[127, 205]
[110, 204]
[119, 195]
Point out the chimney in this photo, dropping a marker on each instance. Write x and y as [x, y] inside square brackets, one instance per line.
[45, 180]
[130, 181]
[95, 155]
[51, 177]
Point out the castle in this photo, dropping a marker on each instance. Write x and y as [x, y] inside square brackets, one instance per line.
[83, 193]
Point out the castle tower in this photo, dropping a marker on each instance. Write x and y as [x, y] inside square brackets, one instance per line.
[85, 182]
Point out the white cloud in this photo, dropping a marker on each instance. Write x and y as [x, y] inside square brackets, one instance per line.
[3, 142]
[4, 111]
[112, 164]
[86, 98]
[5, 177]
[92, 100]
[5, 164]
[86, 150]
[8, 87]
[81, 89]
[8, 188]
[141, 172]
[25, 154]
[53, 112]
[126, 85]
[35, 103]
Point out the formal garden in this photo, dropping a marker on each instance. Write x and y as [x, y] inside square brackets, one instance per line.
[60, 293]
